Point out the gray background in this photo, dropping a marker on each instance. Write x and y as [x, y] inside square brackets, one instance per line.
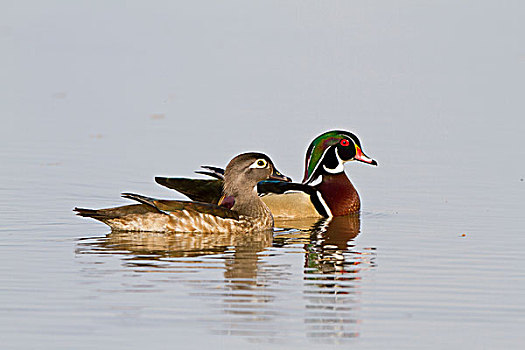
[98, 97]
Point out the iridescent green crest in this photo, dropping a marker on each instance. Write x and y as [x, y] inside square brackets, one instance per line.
[318, 148]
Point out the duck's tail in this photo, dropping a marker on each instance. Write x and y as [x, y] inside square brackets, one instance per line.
[199, 190]
[212, 171]
[90, 213]
[102, 215]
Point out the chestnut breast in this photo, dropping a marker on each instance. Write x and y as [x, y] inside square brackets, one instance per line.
[339, 194]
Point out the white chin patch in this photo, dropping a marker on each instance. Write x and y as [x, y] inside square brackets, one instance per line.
[338, 169]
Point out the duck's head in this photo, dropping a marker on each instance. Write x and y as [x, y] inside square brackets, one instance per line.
[329, 151]
[248, 169]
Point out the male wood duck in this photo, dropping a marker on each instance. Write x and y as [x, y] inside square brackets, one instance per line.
[325, 191]
[247, 211]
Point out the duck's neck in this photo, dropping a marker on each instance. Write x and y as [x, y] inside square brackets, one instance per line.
[339, 194]
[247, 202]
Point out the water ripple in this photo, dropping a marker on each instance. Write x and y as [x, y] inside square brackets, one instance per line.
[257, 288]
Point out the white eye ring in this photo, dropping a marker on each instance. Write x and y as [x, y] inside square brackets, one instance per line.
[259, 163]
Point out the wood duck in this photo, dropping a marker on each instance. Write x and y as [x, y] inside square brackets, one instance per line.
[325, 191]
[247, 212]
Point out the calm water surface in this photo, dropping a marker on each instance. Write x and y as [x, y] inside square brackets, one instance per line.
[97, 99]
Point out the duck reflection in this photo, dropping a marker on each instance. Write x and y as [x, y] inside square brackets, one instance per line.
[158, 248]
[258, 277]
[159, 245]
[333, 269]
[331, 243]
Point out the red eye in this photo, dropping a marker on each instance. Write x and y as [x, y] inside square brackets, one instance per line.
[344, 142]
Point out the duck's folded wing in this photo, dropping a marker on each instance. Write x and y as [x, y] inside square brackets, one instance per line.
[114, 213]
[210, 191]
[174, 206]
[207, 191]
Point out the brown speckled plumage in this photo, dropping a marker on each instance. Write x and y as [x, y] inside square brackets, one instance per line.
[248, 213]
[179, 221]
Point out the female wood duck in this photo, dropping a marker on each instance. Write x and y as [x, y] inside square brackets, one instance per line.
[247, 213]
[333, 195]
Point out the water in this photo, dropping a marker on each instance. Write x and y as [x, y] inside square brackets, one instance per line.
[99, 98]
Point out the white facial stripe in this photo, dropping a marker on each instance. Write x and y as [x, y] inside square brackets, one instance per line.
[340, 166]
[317, 166]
